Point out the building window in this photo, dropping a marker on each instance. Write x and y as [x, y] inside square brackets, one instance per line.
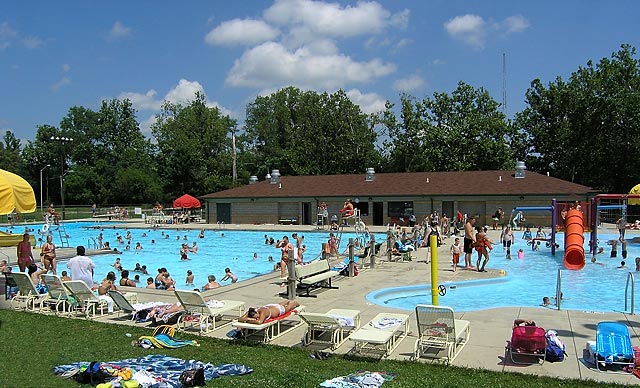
[400, 209]
[363, 207]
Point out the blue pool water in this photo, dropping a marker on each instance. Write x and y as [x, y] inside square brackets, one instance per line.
[597, 287]
[215, 252]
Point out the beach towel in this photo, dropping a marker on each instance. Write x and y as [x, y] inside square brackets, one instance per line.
[344, 321]
[161, 341]
[360, 379]
[162, 370]
[386, 323]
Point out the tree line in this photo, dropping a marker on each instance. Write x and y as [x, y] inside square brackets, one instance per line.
[585, 129]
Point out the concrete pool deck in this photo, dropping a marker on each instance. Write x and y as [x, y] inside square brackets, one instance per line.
[490, 329]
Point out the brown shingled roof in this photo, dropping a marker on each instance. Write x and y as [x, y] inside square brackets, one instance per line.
[408, 184]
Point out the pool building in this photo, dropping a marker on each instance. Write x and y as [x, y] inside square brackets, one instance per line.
[384, 198]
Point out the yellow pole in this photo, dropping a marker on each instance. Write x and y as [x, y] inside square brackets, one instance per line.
[434, 269]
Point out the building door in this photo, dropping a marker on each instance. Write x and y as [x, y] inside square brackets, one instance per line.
[378, 213]
[224, 212]
[447, 208]
[306, 213]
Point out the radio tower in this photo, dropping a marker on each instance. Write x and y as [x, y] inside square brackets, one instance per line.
[504, 84]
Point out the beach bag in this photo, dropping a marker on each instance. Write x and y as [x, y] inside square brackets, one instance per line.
[554, 351]
[93, 375]
[192, 377]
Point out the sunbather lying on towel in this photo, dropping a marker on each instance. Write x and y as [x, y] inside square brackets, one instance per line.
[268, 311]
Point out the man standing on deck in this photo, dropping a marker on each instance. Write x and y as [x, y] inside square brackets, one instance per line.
[81, 267]
[469, 241]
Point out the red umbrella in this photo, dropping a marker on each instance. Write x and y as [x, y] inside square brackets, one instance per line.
[186, 201]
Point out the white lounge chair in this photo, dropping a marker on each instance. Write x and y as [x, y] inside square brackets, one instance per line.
[27, 297]
[439, 330]
[59, 299]
[335, 323]
[385, 330]
[272, 328]
[88, 302]
[207, 311]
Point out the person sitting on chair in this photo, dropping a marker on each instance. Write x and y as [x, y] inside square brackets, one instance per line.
[347, 209]
[268, 311]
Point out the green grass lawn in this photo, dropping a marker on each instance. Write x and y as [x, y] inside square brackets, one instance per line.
[33, 343]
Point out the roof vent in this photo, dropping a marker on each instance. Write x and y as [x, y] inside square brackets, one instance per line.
[253, 179]
[520, 169]
[275, 177]
[370, 175]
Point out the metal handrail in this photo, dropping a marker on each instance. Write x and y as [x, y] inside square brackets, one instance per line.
[626, 292]
[559, 289]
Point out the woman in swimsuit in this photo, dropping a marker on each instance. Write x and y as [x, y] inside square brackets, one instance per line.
[49, 255]
[286, 247]
[481, 247]
[25, 256]
[268, 311]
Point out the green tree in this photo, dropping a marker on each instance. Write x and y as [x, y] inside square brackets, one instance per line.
[461, 131]
[10, 155]
[587, 130]
[306, 133]
[194, 148]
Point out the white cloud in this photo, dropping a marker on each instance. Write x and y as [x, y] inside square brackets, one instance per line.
[241, 32]
[183, 94]
[468, 28]
[32, 42]
[408, 84]
[329, 19]
[368, 102]
[145, 126]
[400, 19]
[7, 35]
[63, 82]
[516, 23]
[66, 67]
[119, 30]
[438, 62]
[271, 64]
[144, 101]
[474, 30]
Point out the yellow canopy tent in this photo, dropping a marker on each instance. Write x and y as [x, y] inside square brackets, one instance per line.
[634, 190]
[16, 194]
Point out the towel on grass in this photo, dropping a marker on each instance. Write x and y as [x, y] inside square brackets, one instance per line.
[164, 370]
[165, 341]
[360, 379]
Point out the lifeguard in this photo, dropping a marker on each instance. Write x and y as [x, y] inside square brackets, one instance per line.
[347, 210]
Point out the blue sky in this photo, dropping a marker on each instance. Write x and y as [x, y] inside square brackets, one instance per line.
[55, 55]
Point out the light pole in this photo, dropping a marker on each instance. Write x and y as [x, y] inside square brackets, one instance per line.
[62, 190]
[41, 201]
[61, 141]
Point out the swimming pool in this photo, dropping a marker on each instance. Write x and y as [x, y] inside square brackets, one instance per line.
[216, 251]
[597, 287]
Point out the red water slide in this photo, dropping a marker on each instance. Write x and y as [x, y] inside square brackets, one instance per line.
[574, 240]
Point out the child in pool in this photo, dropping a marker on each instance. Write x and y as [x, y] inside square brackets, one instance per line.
[228, 275]
[520, 254]
[189, 279]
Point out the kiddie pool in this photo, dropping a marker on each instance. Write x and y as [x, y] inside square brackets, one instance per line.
[597, 287]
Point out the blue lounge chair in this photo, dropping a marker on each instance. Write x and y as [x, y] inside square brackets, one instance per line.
[613, 347]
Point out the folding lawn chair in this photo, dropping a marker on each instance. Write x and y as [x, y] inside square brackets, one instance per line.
[439, 330]
[87, 301]
[207, 311]
[336, 324]
[27, 297]
[59, 299]
[527, 341]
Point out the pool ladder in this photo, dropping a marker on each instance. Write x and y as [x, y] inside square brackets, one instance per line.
[630, 279]
[559, 289]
